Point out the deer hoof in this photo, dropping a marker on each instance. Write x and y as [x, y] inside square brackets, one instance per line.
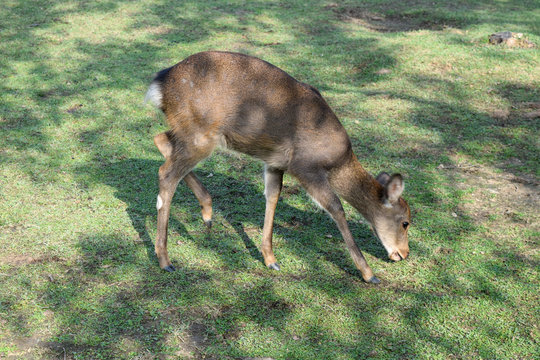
[374, 280]
[169, 268]
[208, 224]
[274, 266]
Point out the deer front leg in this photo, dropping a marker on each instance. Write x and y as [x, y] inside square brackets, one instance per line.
[356, 254]
[273, 180]
[320, 190]
[205, 200]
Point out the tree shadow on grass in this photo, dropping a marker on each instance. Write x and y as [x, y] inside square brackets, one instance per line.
[461, 128]
[122, 320]
[132, 179]
[121, 302]
[413, 15]
[125, 317]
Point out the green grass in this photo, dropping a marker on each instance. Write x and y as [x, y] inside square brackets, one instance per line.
[420, 92]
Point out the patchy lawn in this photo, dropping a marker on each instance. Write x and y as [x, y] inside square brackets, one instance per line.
[420, 91]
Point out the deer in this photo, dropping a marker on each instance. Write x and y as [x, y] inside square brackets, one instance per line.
[246, 104]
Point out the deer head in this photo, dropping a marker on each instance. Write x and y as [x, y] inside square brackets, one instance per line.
[391, 221]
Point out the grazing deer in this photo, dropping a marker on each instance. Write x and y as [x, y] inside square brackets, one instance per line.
[246, 104]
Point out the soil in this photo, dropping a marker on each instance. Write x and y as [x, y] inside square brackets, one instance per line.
[390, 23]
[499, 200]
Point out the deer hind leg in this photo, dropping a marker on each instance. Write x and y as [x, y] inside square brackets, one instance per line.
[319, 189]
[179, 160]
[273, 180]
[205, 200]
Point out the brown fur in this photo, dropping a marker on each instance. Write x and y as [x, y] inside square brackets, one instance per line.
[256, 108]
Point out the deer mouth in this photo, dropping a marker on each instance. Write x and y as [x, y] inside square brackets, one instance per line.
[399, 255]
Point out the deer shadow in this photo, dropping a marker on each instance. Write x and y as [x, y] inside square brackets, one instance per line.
[239, 205]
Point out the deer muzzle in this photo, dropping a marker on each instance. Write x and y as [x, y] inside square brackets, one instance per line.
[399, 254]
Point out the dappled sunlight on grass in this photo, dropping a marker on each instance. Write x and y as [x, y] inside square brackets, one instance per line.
[419, 91]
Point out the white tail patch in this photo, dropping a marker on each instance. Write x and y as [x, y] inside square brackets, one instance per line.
[159, 203]
[154, 94]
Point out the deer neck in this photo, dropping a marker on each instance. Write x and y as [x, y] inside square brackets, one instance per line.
[356, 186]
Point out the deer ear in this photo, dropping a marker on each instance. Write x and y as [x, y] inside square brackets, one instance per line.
[383, 178]
[394, 188]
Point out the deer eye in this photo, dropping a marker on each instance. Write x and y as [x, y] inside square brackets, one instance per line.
[405, 224]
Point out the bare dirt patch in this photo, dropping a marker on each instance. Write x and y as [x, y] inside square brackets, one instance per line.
[21, 260]
[528, 112]
[193, 342]
[376, 21]
[35, 348]
[498, 201]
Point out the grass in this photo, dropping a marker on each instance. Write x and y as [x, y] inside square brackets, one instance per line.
[420, 92]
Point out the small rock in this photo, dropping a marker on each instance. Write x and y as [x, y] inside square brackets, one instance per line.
[511, 42]
[500, 37]
[511, 39]
[454, 214]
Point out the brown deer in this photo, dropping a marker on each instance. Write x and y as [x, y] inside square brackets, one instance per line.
[246, 104]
